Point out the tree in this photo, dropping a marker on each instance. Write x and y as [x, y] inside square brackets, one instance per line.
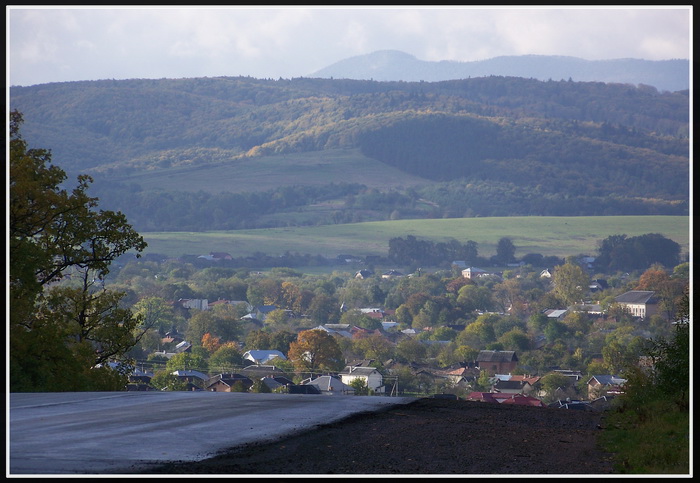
[185, 361]
[222, 321]
[260, 387]
[671, 356]
[505, 250]
[315, 350]
[515, 339]
[483, 382]
[210, 343]
[324, 309]
[227, 357]
[553, 382]
[166, 381]
[360, 386]
[156, 313]
[410, 350]
[668, 289]
[570, 282]
[60, 332]
[475, 297]
[480, 332]
[373, 346]
[620, 253]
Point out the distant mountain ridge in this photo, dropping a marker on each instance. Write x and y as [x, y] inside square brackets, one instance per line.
[393, 65]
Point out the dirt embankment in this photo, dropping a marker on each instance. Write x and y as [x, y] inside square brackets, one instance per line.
[429, 436]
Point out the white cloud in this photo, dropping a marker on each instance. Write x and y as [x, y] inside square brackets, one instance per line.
[57, 44]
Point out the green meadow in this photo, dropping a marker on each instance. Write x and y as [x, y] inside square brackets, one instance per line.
[558, 236]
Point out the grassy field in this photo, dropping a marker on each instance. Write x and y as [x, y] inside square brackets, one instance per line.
[270, 172]
[559, 236]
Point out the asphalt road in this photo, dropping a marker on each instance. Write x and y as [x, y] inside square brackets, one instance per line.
[104, 432]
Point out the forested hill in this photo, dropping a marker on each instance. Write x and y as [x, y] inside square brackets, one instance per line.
[525, 144]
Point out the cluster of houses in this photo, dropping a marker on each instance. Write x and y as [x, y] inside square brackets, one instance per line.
[505, 387]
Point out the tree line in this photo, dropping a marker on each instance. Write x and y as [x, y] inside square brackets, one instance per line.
[203, 211]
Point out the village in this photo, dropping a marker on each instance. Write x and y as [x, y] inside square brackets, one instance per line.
[384, 356]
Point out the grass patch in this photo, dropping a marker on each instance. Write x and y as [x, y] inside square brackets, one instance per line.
[548, 235]
[654, 441]
[269, 172]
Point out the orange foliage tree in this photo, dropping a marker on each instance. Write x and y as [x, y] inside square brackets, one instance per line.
[315, 350]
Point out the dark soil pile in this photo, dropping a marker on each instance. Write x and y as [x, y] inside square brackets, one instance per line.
[428, 436]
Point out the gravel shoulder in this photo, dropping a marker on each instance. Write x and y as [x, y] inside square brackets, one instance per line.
[428, 436]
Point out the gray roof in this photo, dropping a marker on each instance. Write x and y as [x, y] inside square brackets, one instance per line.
[190, 373]
[607, 379]
[635, 297]
[358, 371]
[263, 356]
[500, 384]
[497, 356]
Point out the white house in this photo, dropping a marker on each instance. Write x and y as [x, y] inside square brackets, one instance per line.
[260, 312]
[263, 356]
[199, 304]
[372, 377]
[556, 313]
[605, 385]
[639, 303]
[473, 272]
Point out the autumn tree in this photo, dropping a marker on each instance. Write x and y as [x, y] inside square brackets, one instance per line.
[210, 342]
[315, 350]
[60, 332]
[669, 289]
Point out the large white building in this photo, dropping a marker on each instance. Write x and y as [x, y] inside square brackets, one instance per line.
[639, 303]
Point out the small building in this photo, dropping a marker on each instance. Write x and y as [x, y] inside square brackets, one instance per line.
[605, 385]
[371, 376]
[229, 383]
[260, 312]
[392, 274]
[263, 356]
[190, 375]
[497, 362]
[330, 385]
[473, 272]
[276, 383]
[557, 314]
[364, 274]
[199, 304]
[342, 330]
[512, 387]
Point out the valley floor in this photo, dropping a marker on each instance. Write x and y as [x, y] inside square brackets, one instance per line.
[428, 436]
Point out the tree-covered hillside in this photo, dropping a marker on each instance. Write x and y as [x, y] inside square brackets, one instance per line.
[529, 147]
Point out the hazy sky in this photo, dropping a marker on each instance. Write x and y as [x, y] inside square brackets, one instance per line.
[52, 44]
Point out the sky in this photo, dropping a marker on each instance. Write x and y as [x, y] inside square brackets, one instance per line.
[62, 43]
